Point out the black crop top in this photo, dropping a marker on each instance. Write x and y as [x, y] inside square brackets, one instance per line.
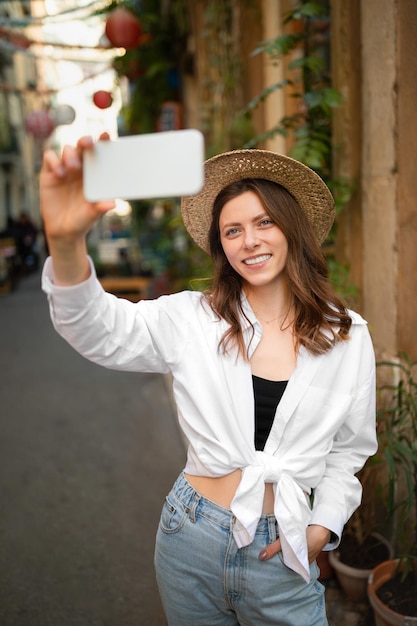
[268, 394]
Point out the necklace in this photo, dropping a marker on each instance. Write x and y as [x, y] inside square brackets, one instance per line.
[268, 321]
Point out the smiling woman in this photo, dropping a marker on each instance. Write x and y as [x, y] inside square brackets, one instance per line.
[272, 376]
[260, 237]
[253, 244]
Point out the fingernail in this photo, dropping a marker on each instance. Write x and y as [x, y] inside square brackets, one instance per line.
[263, 555]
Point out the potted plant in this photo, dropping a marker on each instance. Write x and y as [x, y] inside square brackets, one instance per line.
[392, 586]
[362, 547]
[364, 544]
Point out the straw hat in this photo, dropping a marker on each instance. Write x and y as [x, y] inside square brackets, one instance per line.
[311, 193]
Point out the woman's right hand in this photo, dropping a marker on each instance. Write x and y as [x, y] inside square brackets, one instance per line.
[67, 215]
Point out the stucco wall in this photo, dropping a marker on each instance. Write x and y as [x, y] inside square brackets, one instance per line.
[375, 146]
[407, 177]
[379, 169]
[346, 64]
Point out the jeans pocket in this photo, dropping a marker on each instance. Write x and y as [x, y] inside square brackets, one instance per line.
[314, 569]
[172, 517]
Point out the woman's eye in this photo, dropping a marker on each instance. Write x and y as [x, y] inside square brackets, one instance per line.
[231, 231]
[266, 222]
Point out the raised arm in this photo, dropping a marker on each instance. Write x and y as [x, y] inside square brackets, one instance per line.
[67, 215]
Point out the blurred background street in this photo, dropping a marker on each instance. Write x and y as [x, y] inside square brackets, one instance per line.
[86, 458]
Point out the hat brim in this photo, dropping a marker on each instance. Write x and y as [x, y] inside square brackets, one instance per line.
[310, 191]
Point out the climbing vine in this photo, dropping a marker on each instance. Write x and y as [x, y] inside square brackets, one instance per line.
[304, 51]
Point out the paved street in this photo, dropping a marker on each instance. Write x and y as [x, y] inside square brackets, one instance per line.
[86, 458]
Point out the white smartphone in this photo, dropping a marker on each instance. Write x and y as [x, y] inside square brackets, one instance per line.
[154, 165]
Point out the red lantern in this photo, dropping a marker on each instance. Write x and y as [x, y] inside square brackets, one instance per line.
[20, 40]
[102, 99]
[40, 123]
[123, 29]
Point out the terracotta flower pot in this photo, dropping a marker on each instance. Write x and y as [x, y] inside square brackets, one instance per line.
[353, 580]
[384, 616]
[326, 570]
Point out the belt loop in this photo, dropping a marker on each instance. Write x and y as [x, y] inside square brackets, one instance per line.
[272, 528]
[193, 508]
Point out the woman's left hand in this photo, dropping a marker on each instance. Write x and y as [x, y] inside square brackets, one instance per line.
[317, 538]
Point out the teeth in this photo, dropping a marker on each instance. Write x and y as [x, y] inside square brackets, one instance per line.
[258, 259]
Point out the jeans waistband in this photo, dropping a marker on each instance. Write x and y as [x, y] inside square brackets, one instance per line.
[185, 493]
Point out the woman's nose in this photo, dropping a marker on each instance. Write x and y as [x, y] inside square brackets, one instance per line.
[250, 240]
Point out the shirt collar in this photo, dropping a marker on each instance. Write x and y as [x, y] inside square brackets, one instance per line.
[251, 327]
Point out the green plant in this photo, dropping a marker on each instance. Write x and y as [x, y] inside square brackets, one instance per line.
[390, 477]
[308, 82]
[397, 435]
[339, 277]
[220, 74]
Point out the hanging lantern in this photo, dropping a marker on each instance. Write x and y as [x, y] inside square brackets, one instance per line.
[40, 123]
[63, 114]
[123, 29]
[102, 99]
[20, 40]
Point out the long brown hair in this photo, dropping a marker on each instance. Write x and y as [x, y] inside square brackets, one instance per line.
[321, 319]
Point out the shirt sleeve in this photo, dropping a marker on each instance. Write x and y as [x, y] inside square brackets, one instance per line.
[113, 332]
[339, 492]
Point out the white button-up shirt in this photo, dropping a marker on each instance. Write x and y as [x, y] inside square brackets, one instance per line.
[324, 427]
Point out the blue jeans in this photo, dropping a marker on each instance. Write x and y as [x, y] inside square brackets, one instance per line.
[205, 580]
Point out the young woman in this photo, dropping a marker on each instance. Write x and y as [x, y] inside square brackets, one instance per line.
[273, 378]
